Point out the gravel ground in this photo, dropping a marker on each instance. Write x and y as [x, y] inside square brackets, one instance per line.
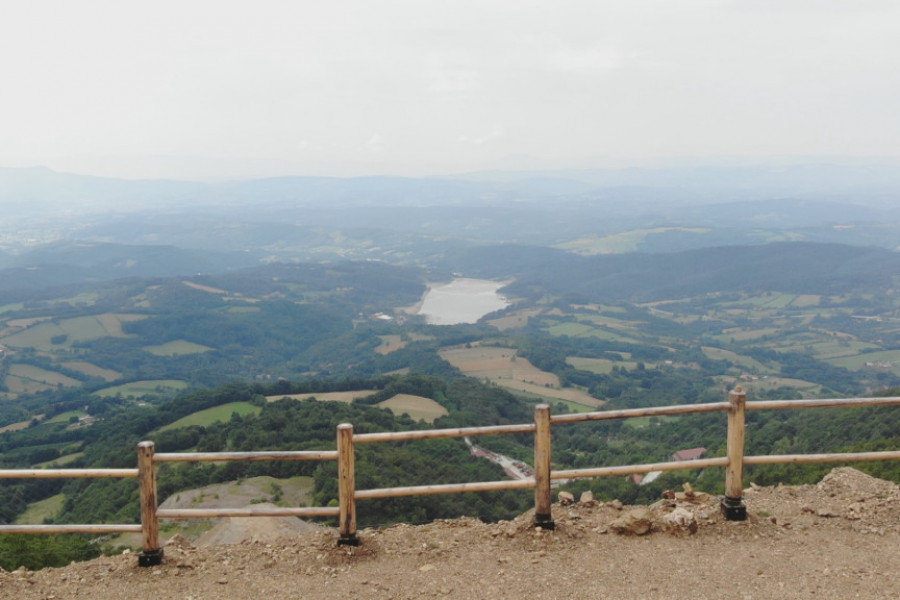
[837, 539]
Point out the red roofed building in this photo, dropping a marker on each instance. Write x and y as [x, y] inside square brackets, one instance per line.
[689, 454]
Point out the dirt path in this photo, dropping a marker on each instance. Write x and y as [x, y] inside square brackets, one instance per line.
[839, 539]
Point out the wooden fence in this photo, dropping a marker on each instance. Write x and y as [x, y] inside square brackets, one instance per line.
[732, 504]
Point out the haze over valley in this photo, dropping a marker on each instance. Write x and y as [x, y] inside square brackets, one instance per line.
[227, 227]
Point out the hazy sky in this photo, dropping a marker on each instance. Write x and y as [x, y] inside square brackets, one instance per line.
[219, 88]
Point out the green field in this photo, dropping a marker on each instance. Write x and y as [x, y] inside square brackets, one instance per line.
[149, 387]
[203, 418]
[65, 332]
[25, 379]
[570, 329]
[889, 359]
[830, 349]
[737, 359]
[176, 347]
[626, 241]
[601, 366]
[37, 512]
[574, 407]
[641, 422]
[325, 396]
[11, 307]
[66, 416]
[59, 462]
[91, 370]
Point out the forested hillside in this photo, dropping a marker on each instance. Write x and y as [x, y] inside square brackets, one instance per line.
[224, 362]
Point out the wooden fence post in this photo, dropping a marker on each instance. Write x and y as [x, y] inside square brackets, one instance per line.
[732, 504]
[542, 496]
[153, 553]
[346, 486]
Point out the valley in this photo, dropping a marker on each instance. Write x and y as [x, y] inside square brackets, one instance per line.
[202, 350]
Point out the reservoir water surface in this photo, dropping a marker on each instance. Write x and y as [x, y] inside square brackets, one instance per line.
[462, 301]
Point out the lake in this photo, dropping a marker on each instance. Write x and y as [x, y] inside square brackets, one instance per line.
[462, 301]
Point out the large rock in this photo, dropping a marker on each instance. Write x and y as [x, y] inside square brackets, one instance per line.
[566, 498]
[680, 521]
[637, 521]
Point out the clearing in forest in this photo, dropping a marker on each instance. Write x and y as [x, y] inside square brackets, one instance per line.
[390, 343]
[91, 370]
[216, 414]
[177, 347]
[503, 367]
[325, 396]
[418, 408]
[146, 387]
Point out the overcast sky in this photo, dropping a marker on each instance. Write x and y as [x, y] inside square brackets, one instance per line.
[226, 88]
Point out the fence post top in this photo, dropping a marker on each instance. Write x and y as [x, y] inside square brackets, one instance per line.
[146, 445]
[738, 391]
[345, 426]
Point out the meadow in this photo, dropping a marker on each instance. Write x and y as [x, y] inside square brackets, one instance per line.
[148, 387]
[177, 347]
[216, 414]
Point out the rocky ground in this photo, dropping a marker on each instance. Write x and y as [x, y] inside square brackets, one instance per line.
[837, 539]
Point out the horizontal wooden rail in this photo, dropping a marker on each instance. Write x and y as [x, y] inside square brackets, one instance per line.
[631, 469]
[243, 456]
[813, 403]
[102, 529]
[212, 513]
[426, 434]
[65, 473]
[450, 488]
[775, 459]
[731, 504]
[604, 415]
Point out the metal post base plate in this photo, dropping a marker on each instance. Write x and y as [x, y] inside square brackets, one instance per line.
[348, 540]
[734, 509]
[544, 522]
[150, 558]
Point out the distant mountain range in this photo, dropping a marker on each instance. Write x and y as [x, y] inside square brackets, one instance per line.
[413, 219]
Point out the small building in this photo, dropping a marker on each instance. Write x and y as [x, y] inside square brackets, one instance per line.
[689, 454]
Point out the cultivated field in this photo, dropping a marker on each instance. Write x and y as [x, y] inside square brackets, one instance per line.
[552, 394]
[390, 343]
[887, 360]
[91, 370]
[47, 335]
[493, 363]
[147, 387]
[602, 366]
[738, 359]
[417, 407]
[27, 379]
[503, 367]
[626, 241]
[204, 288]
[516, 319]
[326, 396]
